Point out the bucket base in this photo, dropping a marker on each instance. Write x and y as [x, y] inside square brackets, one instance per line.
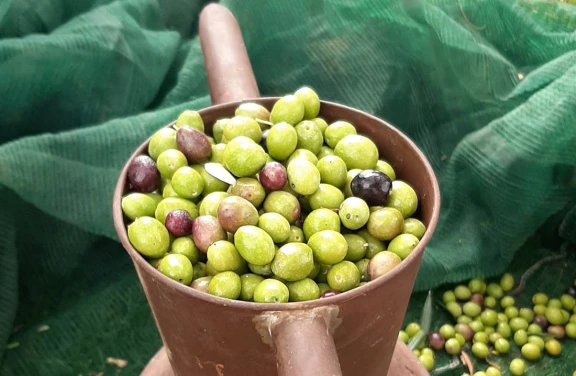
[403, 363]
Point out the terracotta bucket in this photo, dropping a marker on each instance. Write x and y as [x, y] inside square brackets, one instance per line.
[350, 334]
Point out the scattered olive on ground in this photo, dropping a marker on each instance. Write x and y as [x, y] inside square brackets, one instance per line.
[493, 327]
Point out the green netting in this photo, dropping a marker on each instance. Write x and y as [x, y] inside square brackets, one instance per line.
[485, 88]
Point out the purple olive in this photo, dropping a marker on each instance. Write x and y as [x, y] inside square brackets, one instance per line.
[436, 341]
[143, 175]
[235, 212]
[478, 299]
[206, 230]
[194, 144]
[273, 176]
[465, 330]
[541, 321]
[179, 223]
[372, 186]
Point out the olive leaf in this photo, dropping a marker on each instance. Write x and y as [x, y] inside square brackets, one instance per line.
[220, 172]
[425, 323]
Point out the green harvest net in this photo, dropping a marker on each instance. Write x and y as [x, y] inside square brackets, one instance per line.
[487, 89]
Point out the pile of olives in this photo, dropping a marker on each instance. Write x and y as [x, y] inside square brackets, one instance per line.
[276, 206]
[489, 322]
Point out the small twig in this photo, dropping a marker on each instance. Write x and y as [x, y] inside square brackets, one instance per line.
[493, 364]
[467, 362]
[120, 363]
[12, 346]
[455, 363]
[533, 269]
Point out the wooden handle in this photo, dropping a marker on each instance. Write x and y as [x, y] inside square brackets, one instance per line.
[228, 68]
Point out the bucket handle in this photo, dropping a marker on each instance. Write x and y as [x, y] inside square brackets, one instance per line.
[228, 68]
[302, 339]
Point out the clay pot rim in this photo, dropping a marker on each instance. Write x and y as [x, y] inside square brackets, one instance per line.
[263, 307]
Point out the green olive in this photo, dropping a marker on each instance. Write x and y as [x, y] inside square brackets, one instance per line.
[385, 168]
[177, 267]
[385, 224]
[249, 282]
[243, 157]
[309, 136]
[540, 298]
[403, 245]
[489, 317]
[359, 152]
[427, 362]
[507, 301]
[414, 227]
[553, 347]
[281, 141]
[476, 286]
[275, 225]
[330, 197]
[149, 237]
[332, 170]
[329, 247]
[490, 302]
[293, 262]
[454, 308]
[518, 323]
[353, 212]
[185, 246]
[517, 367]
[480, 337]
[303, 290]
[530, 351]
[472, 309]
[162, 140]
[448, 297]
[507, 282]
[289, 109]
[447, 331]
[520, 337]
[536, 340]
[303, 176]
[412, 329]
[190, 118]
[137, 204]
[169, 161]
[271, 291]
[480, 350]
[502, 346]
[494, 290]
[404, 198]
[452, 346]
[343, 276]
[224, 256]
[337, 131]
[462, 292]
